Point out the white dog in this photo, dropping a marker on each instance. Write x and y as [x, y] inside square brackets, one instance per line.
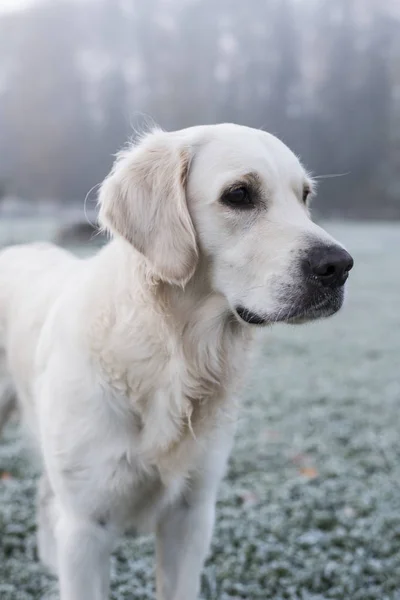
[126, 364]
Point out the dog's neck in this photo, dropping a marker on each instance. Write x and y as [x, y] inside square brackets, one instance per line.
[167, 350]
[181, 306]
[195, 317]
[196, 302]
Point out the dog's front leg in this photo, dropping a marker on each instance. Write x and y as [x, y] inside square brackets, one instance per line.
[84, 549]
[183, 540]
[184, 532]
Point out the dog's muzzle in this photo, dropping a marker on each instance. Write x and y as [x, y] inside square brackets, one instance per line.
[317, 290]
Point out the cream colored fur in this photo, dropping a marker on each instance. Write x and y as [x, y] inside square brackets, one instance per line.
[126, 364]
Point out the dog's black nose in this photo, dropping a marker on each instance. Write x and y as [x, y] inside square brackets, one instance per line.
[329, 264]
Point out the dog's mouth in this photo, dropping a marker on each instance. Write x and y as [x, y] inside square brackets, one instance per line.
[302, 310]
[250, 317]
[315, 308]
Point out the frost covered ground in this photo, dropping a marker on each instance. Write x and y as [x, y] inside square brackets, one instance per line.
[310, 508]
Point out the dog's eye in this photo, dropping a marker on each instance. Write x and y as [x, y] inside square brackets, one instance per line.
[238, 197]
[306, 193]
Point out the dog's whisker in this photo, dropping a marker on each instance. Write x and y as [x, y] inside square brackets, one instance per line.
[331, 176]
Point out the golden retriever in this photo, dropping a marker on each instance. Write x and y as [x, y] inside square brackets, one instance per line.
[127, 364]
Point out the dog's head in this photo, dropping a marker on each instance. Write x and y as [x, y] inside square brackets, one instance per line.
[237, 197]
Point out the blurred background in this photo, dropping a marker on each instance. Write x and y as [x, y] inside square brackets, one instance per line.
[78, 77]
[310, 508]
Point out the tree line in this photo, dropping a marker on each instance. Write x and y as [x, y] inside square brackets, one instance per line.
[78, 78]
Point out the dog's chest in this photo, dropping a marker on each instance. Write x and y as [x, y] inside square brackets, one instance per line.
[175, 392]
[177, 413]
[153, 461]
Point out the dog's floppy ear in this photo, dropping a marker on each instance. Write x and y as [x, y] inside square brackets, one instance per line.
[144, 200]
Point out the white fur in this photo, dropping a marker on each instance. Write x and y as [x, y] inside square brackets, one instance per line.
[126, 364]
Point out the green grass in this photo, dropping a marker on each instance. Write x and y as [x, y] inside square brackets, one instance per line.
[310, 508]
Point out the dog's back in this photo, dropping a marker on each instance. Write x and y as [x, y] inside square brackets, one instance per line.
[31, 278]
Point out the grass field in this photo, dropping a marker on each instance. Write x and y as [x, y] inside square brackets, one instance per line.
[310, 508]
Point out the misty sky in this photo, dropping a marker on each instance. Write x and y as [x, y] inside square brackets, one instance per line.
[314, 78]
[9, 5]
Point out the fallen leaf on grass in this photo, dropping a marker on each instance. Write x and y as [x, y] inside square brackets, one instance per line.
[309, 472]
